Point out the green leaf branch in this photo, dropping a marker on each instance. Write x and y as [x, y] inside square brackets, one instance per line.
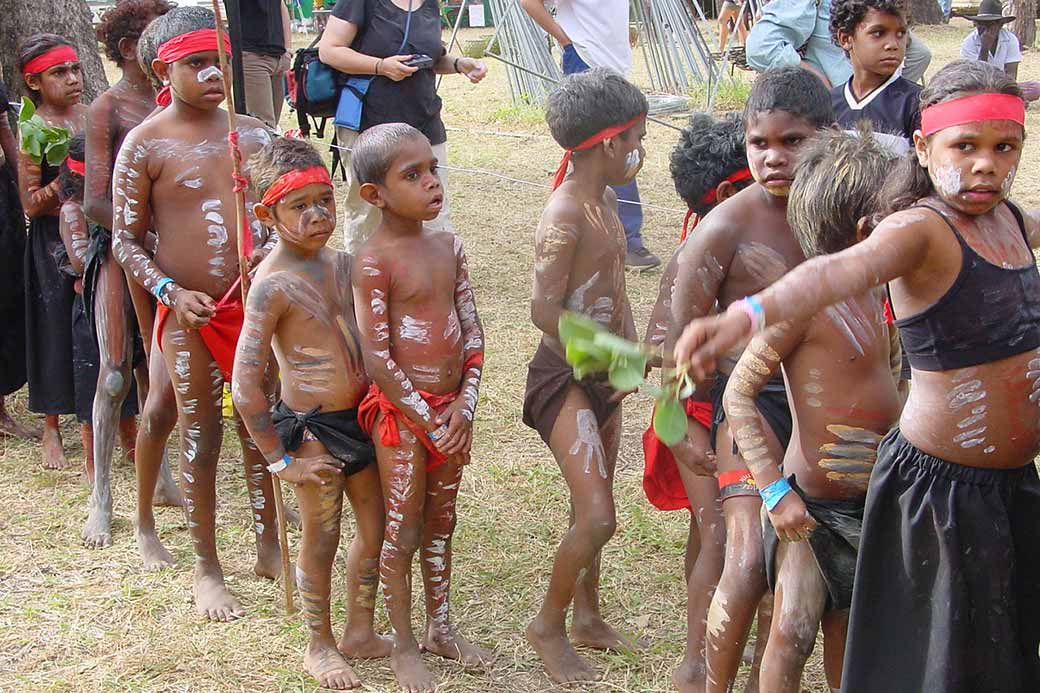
[40, 140]
[590, 349]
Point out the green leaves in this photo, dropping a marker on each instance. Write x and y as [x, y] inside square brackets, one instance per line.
[40, 140]
[591, 349]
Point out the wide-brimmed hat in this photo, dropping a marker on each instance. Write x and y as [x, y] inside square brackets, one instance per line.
[990, 11]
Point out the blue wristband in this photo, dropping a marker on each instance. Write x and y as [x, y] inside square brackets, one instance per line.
[280, 465]
[759, 322]
[161, 286]
[775, 492]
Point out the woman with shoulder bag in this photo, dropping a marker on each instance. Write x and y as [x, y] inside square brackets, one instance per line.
[392, 50]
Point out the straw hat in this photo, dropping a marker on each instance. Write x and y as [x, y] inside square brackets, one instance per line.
[990, 11]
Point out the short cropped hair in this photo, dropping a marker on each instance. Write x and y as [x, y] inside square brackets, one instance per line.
[792, 89]
[709, 150]
[837, 182]
[147, 51]
[277, 158]
[846, 15]
[126, 21]
[70, 185]
[375, 149]
[588, 102]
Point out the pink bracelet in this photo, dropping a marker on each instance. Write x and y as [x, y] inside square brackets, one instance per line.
[752, 307]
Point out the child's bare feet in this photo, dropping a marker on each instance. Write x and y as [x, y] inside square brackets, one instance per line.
[212, 598]
[269, 560]
[453, 646]
[562, 663]
[365, 644]
[597, 635]
[154, 555]
[412, 674]
[97, 531]
[167, 492]
[10, 427]
[329, 668]
[52, 451]
[689, 677]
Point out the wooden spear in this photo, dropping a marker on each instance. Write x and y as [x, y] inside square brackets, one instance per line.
[243, 241]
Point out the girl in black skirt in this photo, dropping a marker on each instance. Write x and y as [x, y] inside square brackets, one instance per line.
[946, 595]
[12, 295]
[51, 71]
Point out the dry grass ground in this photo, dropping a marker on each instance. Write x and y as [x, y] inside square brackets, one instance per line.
[75, 619]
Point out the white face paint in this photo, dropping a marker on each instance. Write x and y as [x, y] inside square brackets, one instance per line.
[633, 162]
[211, 72]
[947, 180]
[1005, 187]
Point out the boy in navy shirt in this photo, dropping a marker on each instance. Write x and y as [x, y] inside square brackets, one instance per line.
[873, 34]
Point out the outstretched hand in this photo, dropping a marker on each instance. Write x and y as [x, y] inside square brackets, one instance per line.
[791, 519]
[705, 338]
[311, 470]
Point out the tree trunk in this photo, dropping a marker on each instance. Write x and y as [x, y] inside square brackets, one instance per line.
[1024, 26]
[19, 19]
[926, 12]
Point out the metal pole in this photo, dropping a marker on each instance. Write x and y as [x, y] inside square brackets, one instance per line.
[454, 33]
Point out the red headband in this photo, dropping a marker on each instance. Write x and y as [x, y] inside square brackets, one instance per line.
[561, 171]
[972, 109]
[294, 180]
[198, 41]
[55, 56]
[76, 167]
[735, 177]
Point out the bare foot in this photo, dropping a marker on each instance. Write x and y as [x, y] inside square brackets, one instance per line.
[561, 661]
[53, 452]
[412, 675]
[167, 493]
[327, 665]
[688, 677]
[154, 555]
[10, 427]
[213, 600]
[365, 645]
[454, 646]
[269, 561]
[597, 635]
[97, 531]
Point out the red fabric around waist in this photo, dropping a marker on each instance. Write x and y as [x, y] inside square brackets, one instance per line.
[220, 334]
[661, 481]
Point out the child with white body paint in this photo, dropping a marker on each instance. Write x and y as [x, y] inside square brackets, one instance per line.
[600, 119]
[424, 351]
[173, 175]
[301, 312]
[812, 534]
[947, 584]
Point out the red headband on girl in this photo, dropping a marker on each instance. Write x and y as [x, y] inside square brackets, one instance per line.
[561, 170]
[76, 167]
[294, 180]
[735, 177]
[58, 55]
[198, 41]
[972, 109]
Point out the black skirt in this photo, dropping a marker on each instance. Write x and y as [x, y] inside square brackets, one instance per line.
[49, 294]
[12, 292]
[947, 588]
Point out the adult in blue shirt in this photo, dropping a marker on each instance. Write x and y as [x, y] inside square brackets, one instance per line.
[797, 32]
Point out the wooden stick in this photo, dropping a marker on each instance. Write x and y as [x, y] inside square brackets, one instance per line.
[243, 269]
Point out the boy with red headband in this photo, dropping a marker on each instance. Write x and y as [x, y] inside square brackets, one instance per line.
[111, 116]
[173, 175]
[301, 311]
[742, 246]
[947, 583]
[51, 71]
[708, 165]
[424, 349]
[599, 118]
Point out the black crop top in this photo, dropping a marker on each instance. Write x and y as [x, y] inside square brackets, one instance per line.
[989, 314]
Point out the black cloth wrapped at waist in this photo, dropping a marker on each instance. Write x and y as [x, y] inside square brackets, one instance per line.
[338, 431]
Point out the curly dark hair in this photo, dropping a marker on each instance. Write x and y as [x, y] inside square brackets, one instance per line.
[70, 185]
[847, 14]
[709, 150]
[910, 182]
[127, 20]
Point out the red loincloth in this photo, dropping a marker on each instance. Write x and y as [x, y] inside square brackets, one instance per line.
[221, 333]
[376, 402]
[661, 481]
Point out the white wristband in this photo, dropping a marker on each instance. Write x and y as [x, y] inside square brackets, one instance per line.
[281, 464]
